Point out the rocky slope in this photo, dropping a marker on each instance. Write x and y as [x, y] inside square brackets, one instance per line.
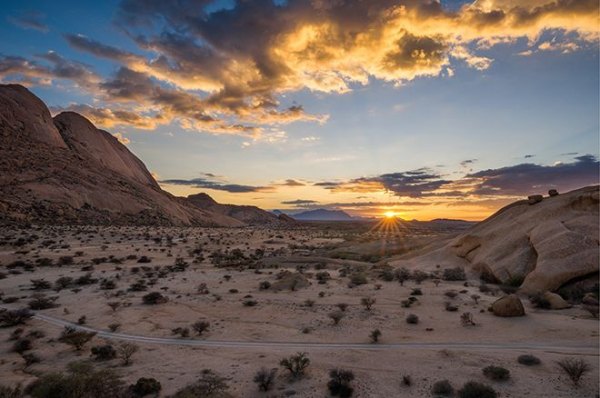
[248, 214]
[64, 170]
[549, 243]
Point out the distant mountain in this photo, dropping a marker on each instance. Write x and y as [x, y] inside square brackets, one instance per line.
[63, 170]
[247, 214]
[323, 215]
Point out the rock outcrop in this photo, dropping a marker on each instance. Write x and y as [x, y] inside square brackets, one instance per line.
[66, 171]
[251, 215]
[547, 245]
[508, 306]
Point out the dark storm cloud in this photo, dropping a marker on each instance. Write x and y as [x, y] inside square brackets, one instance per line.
[219, 186]
[299, 202]
[527, 178]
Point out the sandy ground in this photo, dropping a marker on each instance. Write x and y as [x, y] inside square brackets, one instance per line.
[279, 316]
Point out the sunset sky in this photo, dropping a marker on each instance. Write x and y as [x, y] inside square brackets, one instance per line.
[430, 109]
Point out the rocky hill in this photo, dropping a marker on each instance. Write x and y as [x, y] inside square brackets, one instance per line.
[251, 215]
[545, 244]
[64, 170]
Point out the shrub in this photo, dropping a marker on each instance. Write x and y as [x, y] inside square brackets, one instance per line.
[375, 335]
[466, 319]
[104, 352]
[9, 318]
[265, 378]
[412, 319]
[515, 280]
[451, 308]
[296, 364]
[42, 302]
[473, 389]
[210, 384]
[9, 392]
[22, 345]
[336, 316]
[154, 298]
[40, 284]
[82, 380]
[419, 276]
[442, 387]
[539, 301]
[249, 303]
[200, 327]
[144, 260]
[451, 294]
[145, 386]
[454, 274]
[113, 327]
[342, 306]
[416, 292]
[475, 298]
[358, 279]
[402, 275]
[575, 368]
[264, 285]
[367, 302]
[528, 360]
[75, 338]
[339, 385]
[497, 373]
[125, 351]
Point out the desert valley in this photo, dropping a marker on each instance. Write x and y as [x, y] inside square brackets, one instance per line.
[150, 304]
[300, 198]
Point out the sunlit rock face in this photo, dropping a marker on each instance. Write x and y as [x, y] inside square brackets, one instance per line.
[64, 170]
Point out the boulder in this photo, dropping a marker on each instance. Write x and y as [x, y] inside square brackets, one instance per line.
[589, 299]
[556, 301]
[553, 192]
[508, 306]
[533, 199]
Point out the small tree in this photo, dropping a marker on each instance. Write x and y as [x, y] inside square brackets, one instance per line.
[575, 368]
[475, 298]
[296, 364]
[154, 298]
[402, 274]
[375, 335]
[145, 386]
[200, 327]
[104, 352]
[76, 338]
[336, 316]
[367, 302]
[125, 351]
[339, 385]
[265, 378]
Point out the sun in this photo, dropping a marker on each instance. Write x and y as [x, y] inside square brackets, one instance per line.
[390, 214]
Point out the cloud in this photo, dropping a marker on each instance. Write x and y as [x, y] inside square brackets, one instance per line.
[52, 66]
[292, 183]
[468, 162]
[299, 202]
[508, 182]
[217, 185]
[226, 71]
[527, 178]
[30, 20]
[414, 183]
[121, 138]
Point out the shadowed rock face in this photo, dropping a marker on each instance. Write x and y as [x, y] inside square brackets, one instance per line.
[548, 243]
[64, 170]
[248, 214]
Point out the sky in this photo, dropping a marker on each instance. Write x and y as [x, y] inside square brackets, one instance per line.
[429, 109]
